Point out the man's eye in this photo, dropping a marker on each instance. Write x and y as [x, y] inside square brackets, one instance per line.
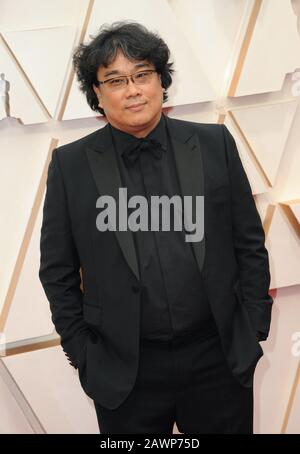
[141, 75]
[115, 81]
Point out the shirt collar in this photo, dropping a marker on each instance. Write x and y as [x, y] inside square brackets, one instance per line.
[123, 139]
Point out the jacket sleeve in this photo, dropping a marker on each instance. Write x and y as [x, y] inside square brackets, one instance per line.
[60, 266]
[249, 243]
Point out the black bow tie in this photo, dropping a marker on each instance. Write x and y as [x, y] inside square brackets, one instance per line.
[132, 153]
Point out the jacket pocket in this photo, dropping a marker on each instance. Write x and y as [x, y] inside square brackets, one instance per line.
[219, 199]
[220, 192]
[92, 314]
[239, 297]
[238, 292]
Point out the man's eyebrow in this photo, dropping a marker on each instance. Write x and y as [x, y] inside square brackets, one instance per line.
[116, 71]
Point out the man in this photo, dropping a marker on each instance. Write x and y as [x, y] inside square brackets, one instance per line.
[162, 330]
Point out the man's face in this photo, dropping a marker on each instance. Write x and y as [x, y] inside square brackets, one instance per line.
[116, 103]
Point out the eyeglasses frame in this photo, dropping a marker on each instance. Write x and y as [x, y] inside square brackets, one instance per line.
[129, 76]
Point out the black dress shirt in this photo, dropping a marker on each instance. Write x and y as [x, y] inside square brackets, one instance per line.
[173, 298]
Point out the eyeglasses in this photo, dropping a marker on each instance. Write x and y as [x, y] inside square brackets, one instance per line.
[139, 78]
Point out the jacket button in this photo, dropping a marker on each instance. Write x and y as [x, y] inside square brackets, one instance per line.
[135, 288]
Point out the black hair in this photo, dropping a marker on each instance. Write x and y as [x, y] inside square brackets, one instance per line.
[134, 41]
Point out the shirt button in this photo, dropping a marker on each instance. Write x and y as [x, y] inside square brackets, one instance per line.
[135, 288]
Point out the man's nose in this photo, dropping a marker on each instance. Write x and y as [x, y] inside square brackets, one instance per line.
[132, 88]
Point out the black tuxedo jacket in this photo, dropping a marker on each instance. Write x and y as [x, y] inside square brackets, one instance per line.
[91, 278]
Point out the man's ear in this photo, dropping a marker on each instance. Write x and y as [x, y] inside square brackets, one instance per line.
[163, 89]
[97, 91]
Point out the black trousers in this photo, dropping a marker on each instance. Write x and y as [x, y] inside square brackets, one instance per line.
[186, 381]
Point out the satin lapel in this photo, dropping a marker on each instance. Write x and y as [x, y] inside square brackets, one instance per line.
[189, 164]
[105, 170]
